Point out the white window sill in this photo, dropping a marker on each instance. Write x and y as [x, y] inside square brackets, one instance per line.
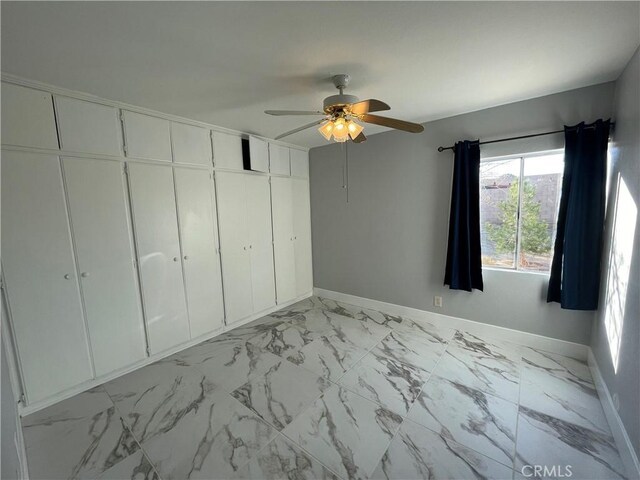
[513, 270]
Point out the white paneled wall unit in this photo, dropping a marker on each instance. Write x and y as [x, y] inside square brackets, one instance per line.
[128, 235]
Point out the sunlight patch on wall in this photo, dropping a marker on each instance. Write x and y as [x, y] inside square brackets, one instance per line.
[624, 226]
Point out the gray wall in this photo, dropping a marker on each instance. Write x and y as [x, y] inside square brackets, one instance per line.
[623, 381]
[389, 242]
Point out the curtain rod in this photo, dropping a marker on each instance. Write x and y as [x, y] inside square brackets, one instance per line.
[442, 149]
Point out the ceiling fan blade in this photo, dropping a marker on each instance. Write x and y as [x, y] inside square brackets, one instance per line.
[360, 138]
[371, 105]
[296, 130]
[293, 112]
[393, 123]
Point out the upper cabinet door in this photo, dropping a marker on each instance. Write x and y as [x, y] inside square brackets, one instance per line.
[88, 127]
[302, 236]
[191, 144]
[39, 267]
[147, 137]
[203, 279]
[258, 155]
[234, 244]
[283, 238]
[261, 237]
[227, 151]
[299, 163]
[96, 190]
[279, 159]
[27, 117]
[156, 233]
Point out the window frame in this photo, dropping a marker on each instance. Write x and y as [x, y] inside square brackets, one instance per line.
[521, 157]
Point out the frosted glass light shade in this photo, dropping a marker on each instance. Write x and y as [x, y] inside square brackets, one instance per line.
[354, 129]
[326, 129]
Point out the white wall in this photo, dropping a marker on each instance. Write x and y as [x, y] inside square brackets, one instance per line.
[619, 299]
[389, 241]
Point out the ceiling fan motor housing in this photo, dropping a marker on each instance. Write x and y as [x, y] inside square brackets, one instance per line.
[337, 102]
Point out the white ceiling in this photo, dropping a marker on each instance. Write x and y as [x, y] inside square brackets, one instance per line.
[226, 62]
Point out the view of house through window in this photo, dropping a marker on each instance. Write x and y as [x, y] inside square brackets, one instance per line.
[519, 199]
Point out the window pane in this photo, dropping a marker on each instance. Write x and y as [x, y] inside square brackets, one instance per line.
[541, 188]
[498, 211]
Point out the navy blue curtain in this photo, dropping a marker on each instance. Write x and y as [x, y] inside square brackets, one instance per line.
[464, 262]
[575, 270]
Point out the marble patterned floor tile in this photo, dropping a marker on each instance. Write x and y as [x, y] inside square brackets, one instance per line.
[386, 381]
[156, 398]
[570, 368]
[284, 340]
[487, 347]
[78, 448]
[482, 422]
[424, 331]
[213, 441]
[418, 453]
[411, 350]
[134, 467]
[82, 405]
[345, 432]
[279, 393]
[563, 395]
[362, 314]
[490, 374]
[545, 440]
[282, 459]
[328, 356]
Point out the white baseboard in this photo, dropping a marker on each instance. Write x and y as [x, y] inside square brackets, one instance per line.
[623, 442]
[36, 406]
[548, 344]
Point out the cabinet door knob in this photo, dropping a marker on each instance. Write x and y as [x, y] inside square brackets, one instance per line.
[67, 276]
[250, 246]
[186, 257]
[84, 274]
[175, 259]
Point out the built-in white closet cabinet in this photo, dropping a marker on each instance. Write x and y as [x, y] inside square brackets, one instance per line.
[200, 253]
[41, 276]
[160, 257]
[245, 241]
[96, 189]
[110, 225]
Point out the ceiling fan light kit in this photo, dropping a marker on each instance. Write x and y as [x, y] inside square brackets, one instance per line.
[341, 115]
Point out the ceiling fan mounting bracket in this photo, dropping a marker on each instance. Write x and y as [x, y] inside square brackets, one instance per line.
[341, 81]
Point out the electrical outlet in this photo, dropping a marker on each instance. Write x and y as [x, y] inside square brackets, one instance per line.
[437, 301]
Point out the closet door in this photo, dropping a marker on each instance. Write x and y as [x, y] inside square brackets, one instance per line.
[299, 163]
[96, 191]
[156, 233]
[40, 271]
[191, 144]
[227, 151]
[147, 137]
[234, 243]
[203, 280]
[279, 159]
[260, 243]
[283, 238]
[302, 236]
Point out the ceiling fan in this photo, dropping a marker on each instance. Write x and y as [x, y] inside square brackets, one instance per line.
[341, 114]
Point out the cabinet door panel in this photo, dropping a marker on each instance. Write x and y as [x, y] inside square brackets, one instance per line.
[40, 271]
[302, 235]
[259, 155]
[227, 151]
[27, 117]
[234, 242]
[147, 137]
[191, 144]
[156, 232]
[97, 200]
[279, 159]
[283, 244]
[203, 279]
[88, 127]
[261, 247]
[299, 163]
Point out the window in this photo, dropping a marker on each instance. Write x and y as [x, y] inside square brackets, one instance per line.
[519, 199]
